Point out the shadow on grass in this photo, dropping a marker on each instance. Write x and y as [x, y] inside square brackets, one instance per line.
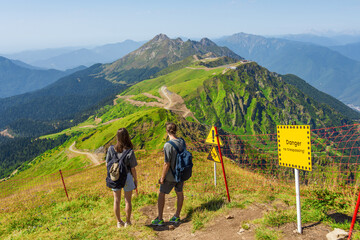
[341, 218]
[166, 227]
[311, 225]
[212, 205]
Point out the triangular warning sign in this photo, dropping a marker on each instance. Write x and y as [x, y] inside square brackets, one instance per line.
[214, 155]
[212, 139]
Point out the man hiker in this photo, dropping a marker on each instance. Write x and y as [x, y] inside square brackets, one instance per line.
[167, 180]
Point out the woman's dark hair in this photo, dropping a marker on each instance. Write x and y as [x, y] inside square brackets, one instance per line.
[171, 128]
[123, 140]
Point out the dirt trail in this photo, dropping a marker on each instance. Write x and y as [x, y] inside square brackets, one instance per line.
[94, 126]
[218, 228]
[6, 133]
[168, 231]
[227, 225]
[91, 156]
[169, 100]
[12, 174]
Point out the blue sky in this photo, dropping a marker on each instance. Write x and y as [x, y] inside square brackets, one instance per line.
[38, 24]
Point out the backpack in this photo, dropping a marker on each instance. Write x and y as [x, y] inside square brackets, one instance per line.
[116, 169]
[183, 163]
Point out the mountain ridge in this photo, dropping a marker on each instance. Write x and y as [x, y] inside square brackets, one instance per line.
[149, 58]
[245, 98]
[319, 66]
[17, 78]
[351, 50]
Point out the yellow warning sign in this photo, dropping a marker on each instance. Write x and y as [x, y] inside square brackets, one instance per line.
[214, 155]
[294, 146]
[212, 139]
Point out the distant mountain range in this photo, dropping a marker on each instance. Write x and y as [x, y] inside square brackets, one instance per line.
[17, 77]
[347, 45]
[334, 72]
[40, 54]
[325, 69]
[72, 96]
[65, 58]
[322, 40]
[349, 50]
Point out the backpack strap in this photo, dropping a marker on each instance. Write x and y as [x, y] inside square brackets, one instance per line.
[176, 147]
[178, 151]
[184, 144]
[123, 155]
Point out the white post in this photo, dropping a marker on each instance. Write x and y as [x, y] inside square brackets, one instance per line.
[215, 174]
[298, 205]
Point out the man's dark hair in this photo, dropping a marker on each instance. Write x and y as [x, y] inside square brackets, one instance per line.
[171, 128]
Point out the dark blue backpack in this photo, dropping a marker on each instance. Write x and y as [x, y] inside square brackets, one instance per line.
[183, 164]
[120, 169]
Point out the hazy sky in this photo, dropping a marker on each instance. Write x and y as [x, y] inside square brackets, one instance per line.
[37, 24]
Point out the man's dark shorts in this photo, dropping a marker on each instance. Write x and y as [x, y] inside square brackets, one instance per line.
[166, 187]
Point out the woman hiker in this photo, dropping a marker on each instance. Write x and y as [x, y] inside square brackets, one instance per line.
[124, 143]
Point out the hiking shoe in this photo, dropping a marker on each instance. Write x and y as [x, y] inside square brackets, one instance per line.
[157, 222]
[127, 224]
[120, 224]
[174, 219]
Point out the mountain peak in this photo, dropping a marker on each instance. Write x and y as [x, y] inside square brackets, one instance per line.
[160, 37]
[159, 53]
[207, 42]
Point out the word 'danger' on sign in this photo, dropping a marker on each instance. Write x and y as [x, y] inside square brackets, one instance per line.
[294, 146]
[212, 139]
[214, 155]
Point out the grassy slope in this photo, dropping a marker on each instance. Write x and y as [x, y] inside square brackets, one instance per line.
[248, 100]
[182, 82]
[145, 127]
[89, 213]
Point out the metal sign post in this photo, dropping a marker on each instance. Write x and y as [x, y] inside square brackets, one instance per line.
[215, 174]
[298, 204]
[214, 156]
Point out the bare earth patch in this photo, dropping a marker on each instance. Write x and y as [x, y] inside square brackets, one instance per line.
[228, 225]
[92, 156]
[6, 133]
[169, 100]
[94, 126]
[314, 231]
